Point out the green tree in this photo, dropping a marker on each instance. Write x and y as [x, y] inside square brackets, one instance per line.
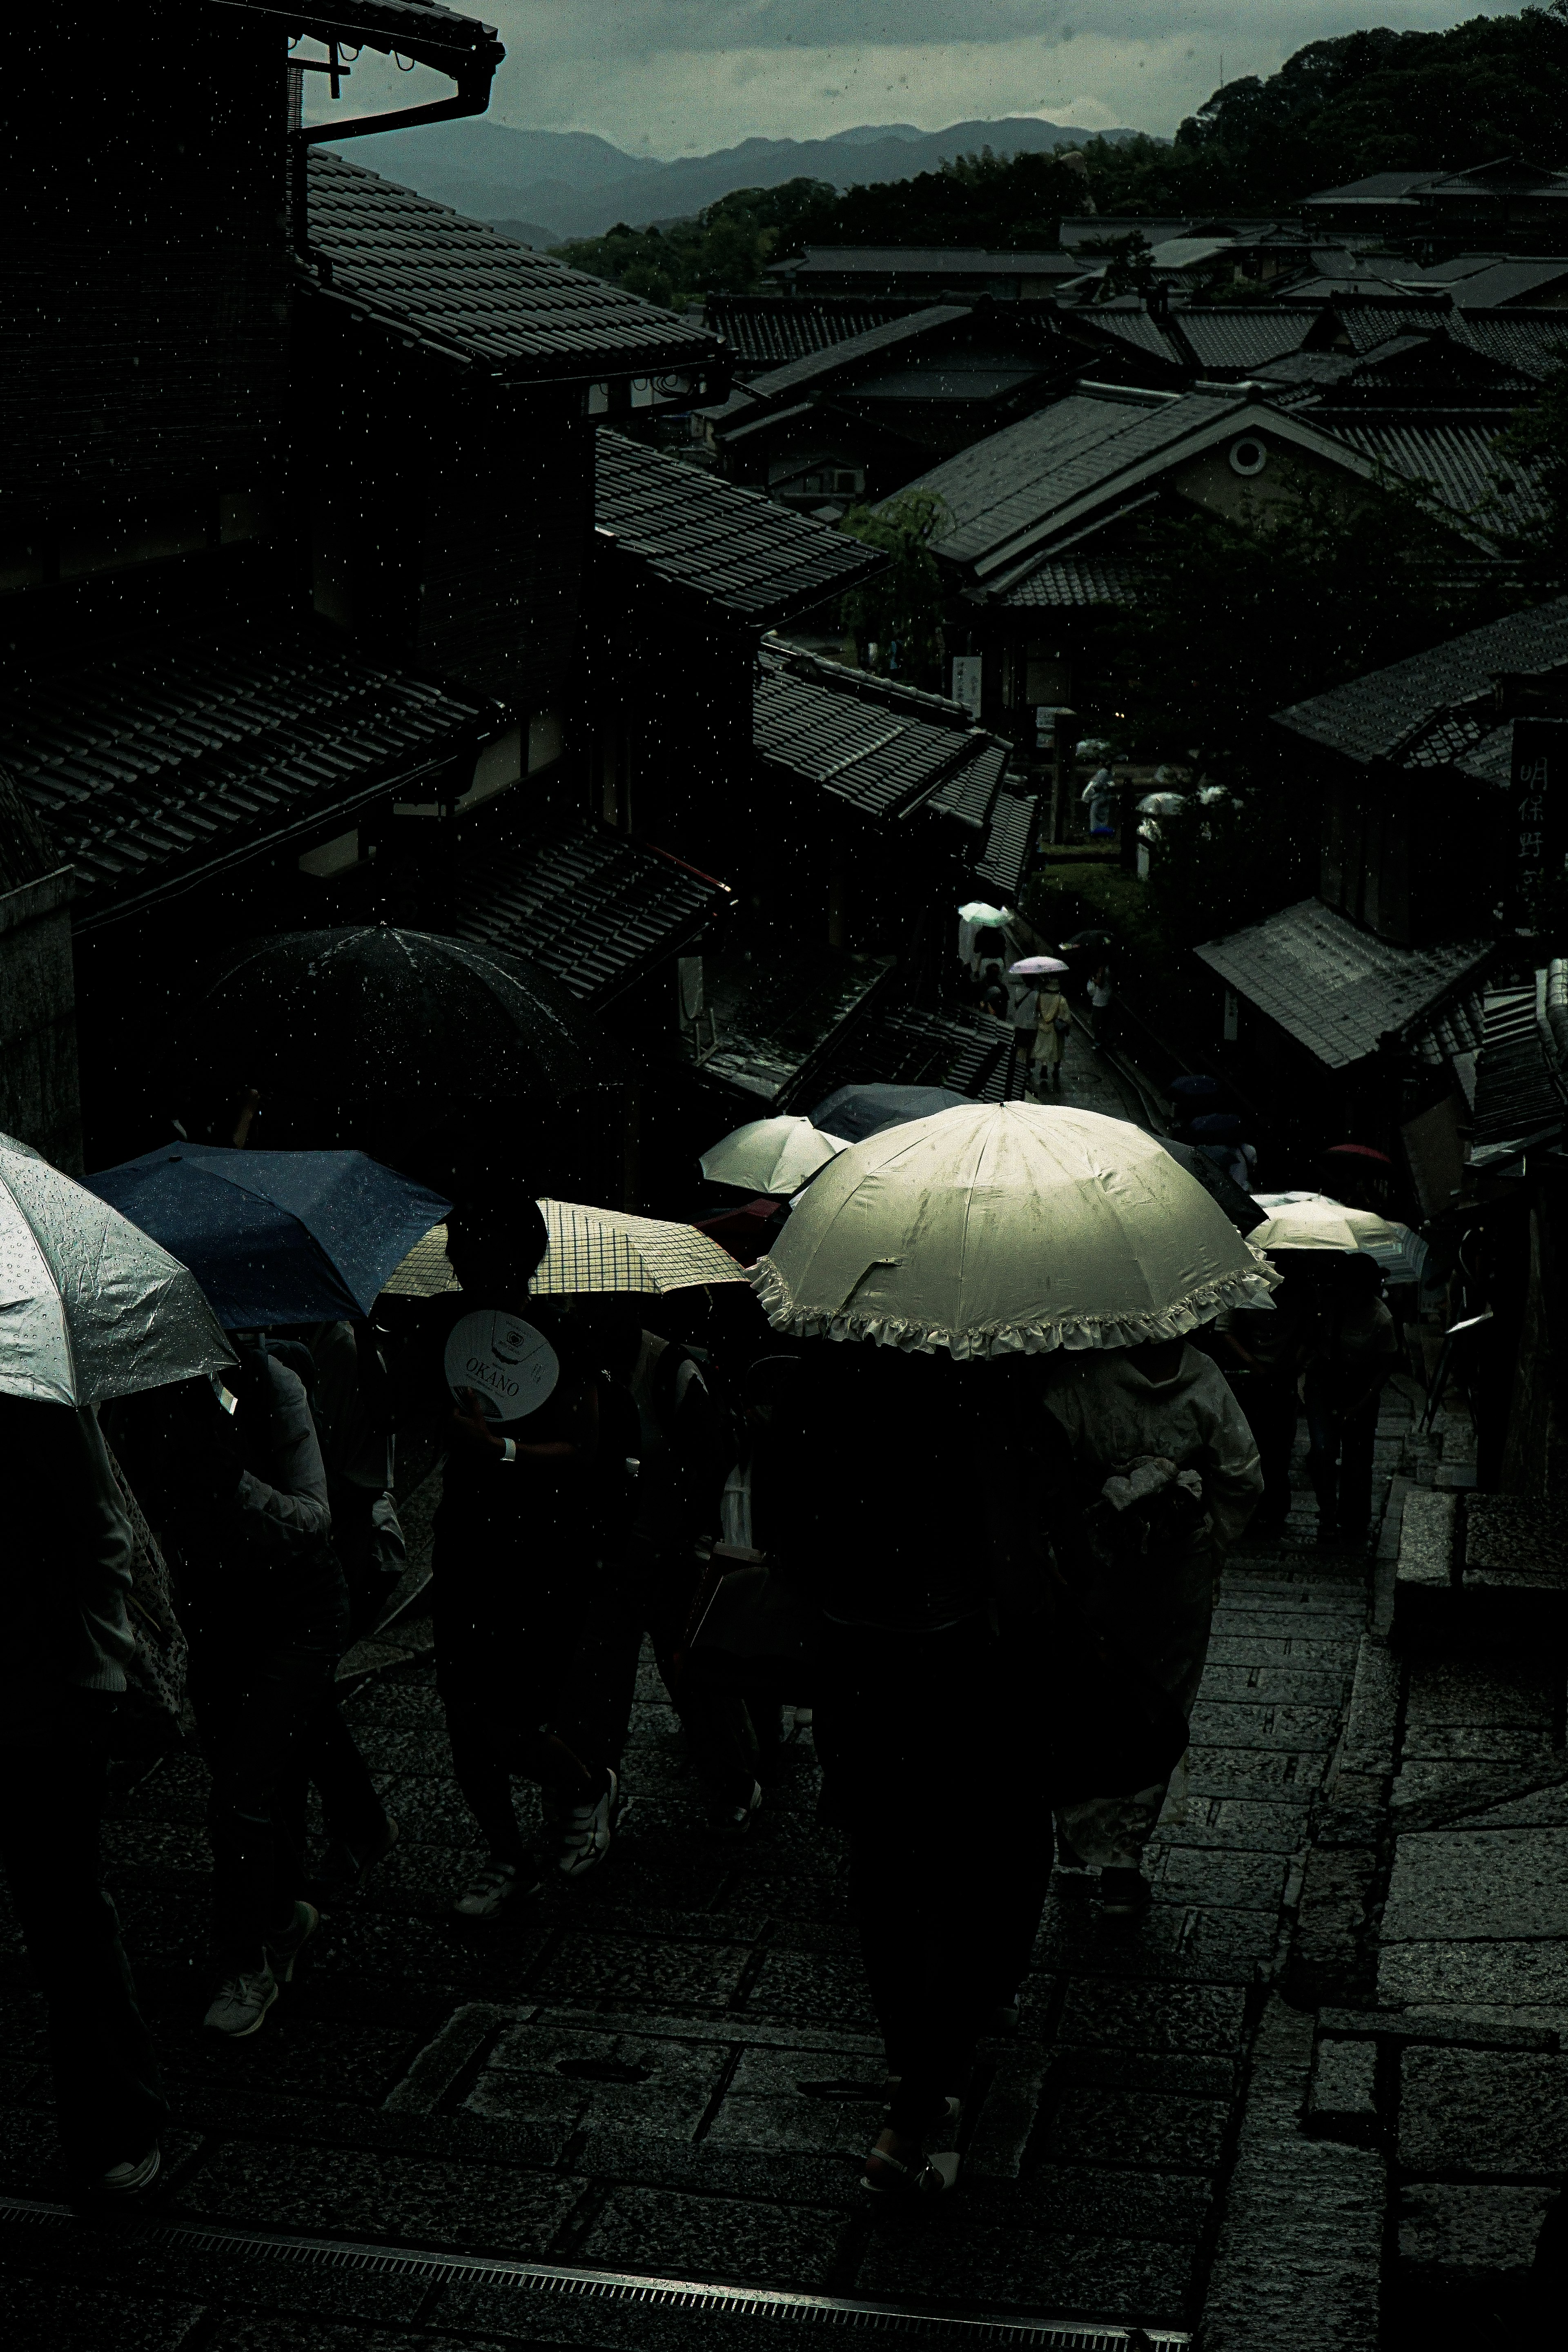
[724, 250]
[896, 619]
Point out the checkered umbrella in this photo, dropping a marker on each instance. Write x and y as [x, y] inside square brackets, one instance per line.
[426, 1271]
[601, 1249]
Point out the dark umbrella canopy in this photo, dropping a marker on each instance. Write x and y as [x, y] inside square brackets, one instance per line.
[856, 1112]
[1239, 1206]
[275, 1237]
[404, 1043]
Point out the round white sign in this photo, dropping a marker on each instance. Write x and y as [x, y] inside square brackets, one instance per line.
[510, 1366]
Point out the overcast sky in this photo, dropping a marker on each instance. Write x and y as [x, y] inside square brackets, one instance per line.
[682, 77]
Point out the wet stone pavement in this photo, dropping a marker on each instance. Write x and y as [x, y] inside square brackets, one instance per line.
[672, 2069]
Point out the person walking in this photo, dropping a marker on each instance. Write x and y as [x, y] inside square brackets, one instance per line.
[1160, 1477]
[1052, 1021]
[1022, 1011]
[265, 1608]
[64, 1643]
[1355, 1350]
[903, 1511]
[532, 1514]
[1102, 1005]
[1268, 1347]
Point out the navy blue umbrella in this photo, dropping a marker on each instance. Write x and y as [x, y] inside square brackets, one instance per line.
[856, 1112]
[274, 1236]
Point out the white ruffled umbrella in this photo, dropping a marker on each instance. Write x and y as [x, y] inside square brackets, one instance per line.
[1008, 1228]
[89, 1309]
[771, 1155]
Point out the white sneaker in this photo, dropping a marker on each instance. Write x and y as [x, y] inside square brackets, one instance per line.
[586, 1830]
[490, 1891]
[125, 2180]
[241, 2002]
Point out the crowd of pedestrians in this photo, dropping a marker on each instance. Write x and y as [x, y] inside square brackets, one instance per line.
[966, 1575]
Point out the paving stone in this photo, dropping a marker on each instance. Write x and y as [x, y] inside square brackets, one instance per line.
[1342, 2096]
[630, 2083]
[824, 1988]
[990, 2267]
[712, 2238]
[1472, 1885]
[1282, 1682]
[1244, 1824]
[1545, 1808]
[633, 1969]
[1220, 1878]
[1323, 1655]
[1484, 1743]
[1511, 1976]
[1464, 2232]
[1443, 1690]
[1299, 2257]
[1371, 1722]
[325, 2058]
[1302, 1729]
[397, 1704]
[1496, 2111]
[354, 2193]
[68, 2317]
[1156, 2131]
[1147, 2070]
[799, 2100]
[1217, 1771]
[1187, 2018]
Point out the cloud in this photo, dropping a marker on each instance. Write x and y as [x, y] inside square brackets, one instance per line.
[684, 76]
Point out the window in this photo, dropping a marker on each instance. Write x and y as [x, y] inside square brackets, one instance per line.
[1247, 457]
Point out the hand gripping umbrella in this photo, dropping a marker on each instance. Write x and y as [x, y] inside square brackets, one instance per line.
[1008, 1228]
[276, 1237]
[89, 1309]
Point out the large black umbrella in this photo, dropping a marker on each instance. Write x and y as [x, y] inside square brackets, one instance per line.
[1239, 1206]
[369, 1036]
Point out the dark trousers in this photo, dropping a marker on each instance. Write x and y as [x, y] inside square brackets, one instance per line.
[1271, 1410]
[947, 1874]
[1340, 1458]
[254, 1712]
[730, 1740]
[521, 1663]
[108, 2096]
[327, 1757]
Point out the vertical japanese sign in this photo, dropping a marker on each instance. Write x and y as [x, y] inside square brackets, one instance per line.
[1539, 791]
[966, 682]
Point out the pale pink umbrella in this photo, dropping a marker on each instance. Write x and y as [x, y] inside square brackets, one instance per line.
[1036, 967]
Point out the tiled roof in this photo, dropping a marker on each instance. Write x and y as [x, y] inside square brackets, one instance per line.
[1510, 281]
[768, 330]
[732, 547]
[1334, 988]
[1378, 187]
[1075, 580]
[1233, 337]
[594, 908]
[152, 766]
[457, 288]
[1131, 326]
[1455, 458]
[1534, 343]
[1367, 324]
[1018, 477]
[779, 1036]
[1372, 717]
[881, 761]
[1009, 840]
[909, 1046]
[890, 334]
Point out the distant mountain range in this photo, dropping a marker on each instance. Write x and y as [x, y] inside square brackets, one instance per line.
[567, 184]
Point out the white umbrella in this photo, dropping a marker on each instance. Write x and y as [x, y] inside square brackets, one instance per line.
[1312, 1220]
[604, 1250]
[89, 1309]
[771, 1155]
[988, 918]
[1006, 1228]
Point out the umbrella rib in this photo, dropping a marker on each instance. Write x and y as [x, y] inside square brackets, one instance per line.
[48, 1265]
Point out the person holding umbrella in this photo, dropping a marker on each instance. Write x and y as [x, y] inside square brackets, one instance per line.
[963, 1248]
[1052, 1021]
[95, 1311]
